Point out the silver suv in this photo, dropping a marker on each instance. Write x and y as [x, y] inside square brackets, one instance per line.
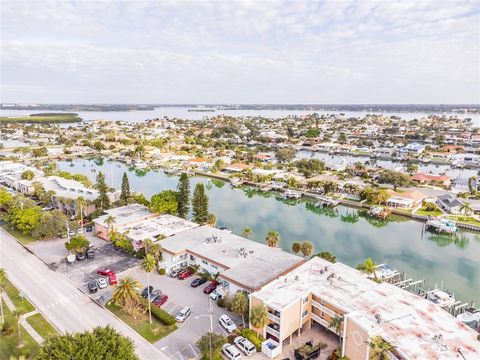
[231, 352]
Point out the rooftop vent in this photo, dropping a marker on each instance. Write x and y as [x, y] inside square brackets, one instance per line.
[214, 239]
[378, 317]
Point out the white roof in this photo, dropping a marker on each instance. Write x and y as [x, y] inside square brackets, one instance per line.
[244, 261]
[407, 321]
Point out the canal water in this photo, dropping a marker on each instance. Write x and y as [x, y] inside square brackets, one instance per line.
[348, 233]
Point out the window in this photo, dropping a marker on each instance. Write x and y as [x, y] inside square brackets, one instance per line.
[305, 313]
[204, 262]
[192, 258]
[214, 266]
[322, 314]
[305, 300]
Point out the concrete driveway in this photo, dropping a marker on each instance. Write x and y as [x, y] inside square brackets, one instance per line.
[180, 345]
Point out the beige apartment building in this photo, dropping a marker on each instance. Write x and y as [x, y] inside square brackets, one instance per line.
[318, 291]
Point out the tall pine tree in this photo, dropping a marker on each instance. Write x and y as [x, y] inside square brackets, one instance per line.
[102, 202]
[200, 204]
[125, 194]
[183, 198]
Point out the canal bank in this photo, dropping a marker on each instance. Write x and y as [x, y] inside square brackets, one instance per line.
[348, 233]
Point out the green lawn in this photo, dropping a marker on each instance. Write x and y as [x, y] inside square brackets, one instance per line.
[464, 219]
[45, 118]
[151, 332]
[8, 343]
[423, 211]
[24, 239]
[21, 304]
[41, 326]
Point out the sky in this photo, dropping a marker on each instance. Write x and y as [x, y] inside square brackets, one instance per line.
[278, 52]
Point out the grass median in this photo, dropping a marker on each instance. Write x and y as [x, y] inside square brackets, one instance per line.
[41, 326]
[151, 332]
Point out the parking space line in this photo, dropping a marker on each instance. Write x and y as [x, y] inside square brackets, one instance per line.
[191, 347]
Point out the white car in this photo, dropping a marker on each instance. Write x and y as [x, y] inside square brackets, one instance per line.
[245, 345]
[71, 233]
[231, 352]
[227, 323]
[215, 295]
[102, 283]
[80, 231]
[183, 314]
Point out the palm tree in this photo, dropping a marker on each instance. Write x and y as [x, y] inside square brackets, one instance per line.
[307, 248]
[18, 314]
[3, 278]
[273, 238]
[149, 264]
[259, 317]
[296, 247]
[247, 232]
[147, 244]
[368, 266]
[80, 205]
[239, 304]
[466, 208]
[126, 290]
[156, 251]
[110, 221]
[336, 324]
[211, 220]
[380, 348]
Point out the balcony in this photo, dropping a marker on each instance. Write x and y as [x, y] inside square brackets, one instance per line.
[274, 317]
[320, 320]
[273, 331]
[324, 309]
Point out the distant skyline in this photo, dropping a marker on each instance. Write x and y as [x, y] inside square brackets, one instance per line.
[239, 52]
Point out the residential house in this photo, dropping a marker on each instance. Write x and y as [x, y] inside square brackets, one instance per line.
[450, 203]
[432, 179]
[407, 199]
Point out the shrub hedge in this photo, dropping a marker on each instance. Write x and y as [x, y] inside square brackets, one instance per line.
[162, 316]
[254, 338]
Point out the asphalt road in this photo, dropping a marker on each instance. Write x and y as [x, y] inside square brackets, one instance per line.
[66, 307]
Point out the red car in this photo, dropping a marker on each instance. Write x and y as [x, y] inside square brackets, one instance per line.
[105, 272]
[112, 277]
[160, 300]
[185, 274]
[210, 287]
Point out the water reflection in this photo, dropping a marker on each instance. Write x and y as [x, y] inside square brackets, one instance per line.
[348, 233]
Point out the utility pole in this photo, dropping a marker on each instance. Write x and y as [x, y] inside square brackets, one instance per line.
[210, 311]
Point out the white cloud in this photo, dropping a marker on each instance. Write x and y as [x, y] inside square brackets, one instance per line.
[241, 52]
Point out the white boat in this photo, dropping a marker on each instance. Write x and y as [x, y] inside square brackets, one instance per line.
[470, 317]
[444, 299]
[442, 225]
[292, 194]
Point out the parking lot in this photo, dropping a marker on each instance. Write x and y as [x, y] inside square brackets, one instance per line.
[53, 252]
[180, 345]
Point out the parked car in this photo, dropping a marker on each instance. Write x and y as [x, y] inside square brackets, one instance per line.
[197, 282]
[92, 286]
[245, 345]
[210, 287]
[146, 291]
[227, 323]
[185, 274]
[80, 256]
[80, 231]
[105, 272]
[215, 295]
[183, 314]
[174, 273]
[112, 277]
[71, 233]
[231, 352]
[102, 283]
[90, 253]
[154, 294]
[160, 300]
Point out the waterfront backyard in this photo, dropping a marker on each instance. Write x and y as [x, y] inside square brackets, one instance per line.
[348, 233]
